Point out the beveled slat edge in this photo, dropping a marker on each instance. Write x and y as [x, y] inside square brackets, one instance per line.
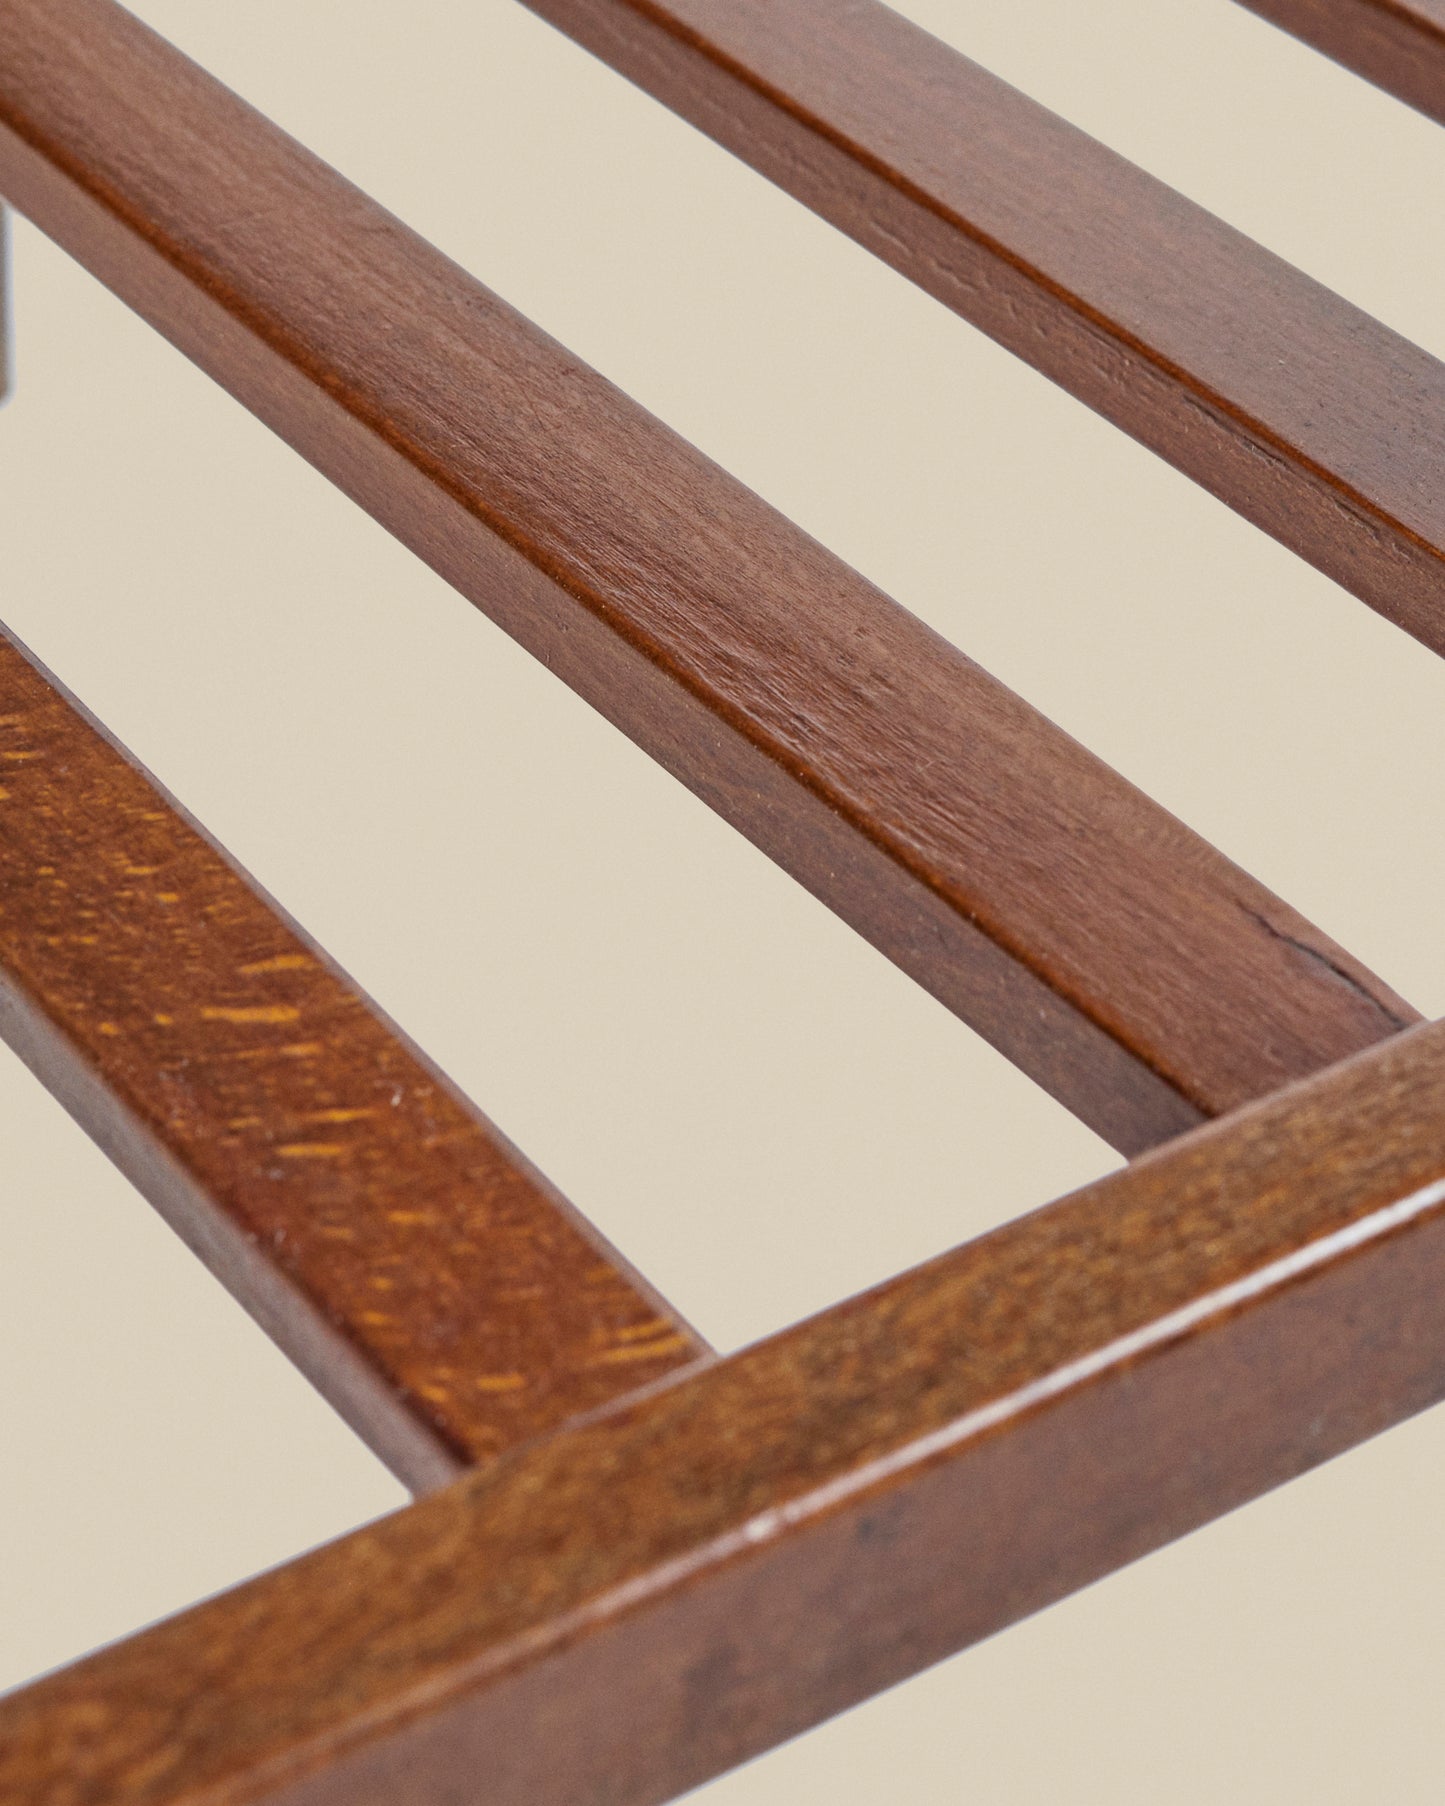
[1109, 952]
[625, 1608]
[1397, 45]
[444, 1298]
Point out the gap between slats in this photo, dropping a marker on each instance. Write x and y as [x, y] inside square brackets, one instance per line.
[1310, 418]
[435, 1289]
[1397, 44]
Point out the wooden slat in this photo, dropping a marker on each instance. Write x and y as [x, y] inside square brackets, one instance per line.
[1397, 44]
[443, 1297]
[631, 1606]
[1308, 416]
[1143, 979]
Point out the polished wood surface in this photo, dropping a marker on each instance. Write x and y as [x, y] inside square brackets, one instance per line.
[1135, 973]
[1199, 342]
[624, 1609]
[1397, 44]
[431, 1284]
[655, 1563]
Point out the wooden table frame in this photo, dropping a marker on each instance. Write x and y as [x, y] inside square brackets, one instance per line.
[638, 1563]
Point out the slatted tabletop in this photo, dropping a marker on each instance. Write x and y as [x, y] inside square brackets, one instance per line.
[1252, 1295]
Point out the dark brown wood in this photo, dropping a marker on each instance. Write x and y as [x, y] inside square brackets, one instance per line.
[1397, 44]
[1311, 418]
[1139, 976]
[630, 1606]
[438, 1291]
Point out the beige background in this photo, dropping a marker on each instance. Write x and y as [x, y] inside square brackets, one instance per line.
[761, 1112]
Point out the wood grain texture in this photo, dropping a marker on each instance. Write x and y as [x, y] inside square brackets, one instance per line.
[1313, 420]
[1397, 44]
[443, 1297]
[617, 1612]
[1139, 976]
